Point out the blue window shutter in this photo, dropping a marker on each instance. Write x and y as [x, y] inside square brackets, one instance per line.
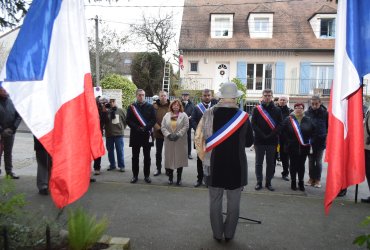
[304, 86]
[280, 78]
[241, 71]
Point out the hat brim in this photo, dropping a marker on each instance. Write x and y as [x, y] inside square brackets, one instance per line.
[230, 96]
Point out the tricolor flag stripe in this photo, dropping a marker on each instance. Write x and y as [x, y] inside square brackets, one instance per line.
[138, 116]
[47, 76]
[201, 108]
[345, 142]
[266, 116]
[227, 130]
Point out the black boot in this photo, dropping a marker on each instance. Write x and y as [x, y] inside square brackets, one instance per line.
[301, 186]
[170, 176]
[293, 185]
[179, 173]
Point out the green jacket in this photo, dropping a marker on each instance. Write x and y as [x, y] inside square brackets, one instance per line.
[115, 126]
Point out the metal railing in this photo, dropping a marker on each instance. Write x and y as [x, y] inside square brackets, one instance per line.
[286, 86]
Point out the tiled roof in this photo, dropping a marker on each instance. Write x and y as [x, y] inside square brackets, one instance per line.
[291, 28]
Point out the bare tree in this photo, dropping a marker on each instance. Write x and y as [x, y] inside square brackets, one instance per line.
[12, 12]
[157, 31]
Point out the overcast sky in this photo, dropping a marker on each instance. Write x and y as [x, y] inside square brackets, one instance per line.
[120, 15]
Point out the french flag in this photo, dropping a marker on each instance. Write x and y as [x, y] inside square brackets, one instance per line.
[345, 147]
[47, 75]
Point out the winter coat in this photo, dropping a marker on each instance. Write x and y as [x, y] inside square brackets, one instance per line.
[175, 152]
[319, 118]
[138, 137]
[292, 145]
[160, 111]
[196, 115]
[285, 112]
[188, 108]
[228, 160]
[115, 123]
[9, 117]
[263, 134]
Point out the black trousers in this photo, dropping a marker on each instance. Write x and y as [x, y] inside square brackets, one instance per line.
[179, 172]
[189, 141]
[6, 146]
[135, 160]
[199, 169]
[284, 157]
[97, 164]
[367, 166]
[297, 165]
[158, 154]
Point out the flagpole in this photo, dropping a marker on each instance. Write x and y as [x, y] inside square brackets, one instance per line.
[362, 94]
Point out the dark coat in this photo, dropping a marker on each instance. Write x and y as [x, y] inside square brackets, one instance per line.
[263, 134]
[285, 112]
[196, 115]
[137, 136]
[188, 108]
[229, 168]
[9, 117]
[292, 145]
[319, 117]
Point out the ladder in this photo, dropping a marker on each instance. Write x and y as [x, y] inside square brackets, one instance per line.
[166, 77]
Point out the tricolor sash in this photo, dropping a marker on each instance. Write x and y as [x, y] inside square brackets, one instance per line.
[202, 108]
[266, 116]
[138, 116]
[227, 130]
[297, 131]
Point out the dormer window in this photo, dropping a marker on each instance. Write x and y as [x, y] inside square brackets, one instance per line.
[222, 25]
[323, 25]
[260, 25]
[327, 27]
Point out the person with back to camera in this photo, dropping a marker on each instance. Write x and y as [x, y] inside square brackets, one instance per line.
[175, 125]
[367, 152]
[298, 130]
[226, 131]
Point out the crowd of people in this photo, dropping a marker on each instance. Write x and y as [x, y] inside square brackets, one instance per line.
[222, 132]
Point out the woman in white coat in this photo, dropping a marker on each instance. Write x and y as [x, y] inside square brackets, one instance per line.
[175, 125]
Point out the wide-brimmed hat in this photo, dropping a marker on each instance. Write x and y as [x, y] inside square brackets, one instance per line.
[229, 90]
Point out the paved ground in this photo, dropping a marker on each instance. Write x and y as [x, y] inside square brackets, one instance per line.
[158, 216]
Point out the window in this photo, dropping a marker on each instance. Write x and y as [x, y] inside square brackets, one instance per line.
[327, 27]
[259, 76]
[261, 24]
[194, 67]
[321, 76]
[222, 26]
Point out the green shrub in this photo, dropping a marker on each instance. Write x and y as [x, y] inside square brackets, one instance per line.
[362, 239]
[11, 203]
[115, 81]
[84, 230]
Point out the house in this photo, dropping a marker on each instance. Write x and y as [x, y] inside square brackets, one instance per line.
[286, 46]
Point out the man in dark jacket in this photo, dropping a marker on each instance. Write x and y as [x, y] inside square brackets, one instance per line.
[9, 122]
[285, 111]
[196, 115]
[141, 119]
[266, 123]
[188, 108]
[161, 108]
[319, 116]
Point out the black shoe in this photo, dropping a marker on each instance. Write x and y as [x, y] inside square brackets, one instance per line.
[198, 184]
[12, 175]
[342, 192]
[365, 200]
[285, 178]
[178, 182]
[269, 187]
[110, 169]
[44, 191]
[147, 180]
[293, 185]
[258, 186]
[92, 180]
[133, 180]
[228, 239]
[190, 157]
[217, 239]
[301, 186]
[157, 172]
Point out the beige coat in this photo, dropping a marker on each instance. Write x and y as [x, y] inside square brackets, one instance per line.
[175, 152]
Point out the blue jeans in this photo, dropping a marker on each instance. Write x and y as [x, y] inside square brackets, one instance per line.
[315, 164]
[118, 142]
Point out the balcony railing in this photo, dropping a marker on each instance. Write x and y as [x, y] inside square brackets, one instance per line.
[287, 86]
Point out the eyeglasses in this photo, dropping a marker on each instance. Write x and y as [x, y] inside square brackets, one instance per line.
[267, 95]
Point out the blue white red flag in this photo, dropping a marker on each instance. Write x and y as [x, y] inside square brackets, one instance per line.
[47, 75]
[297, 131]
[266, 116]
[345, 147]
[202, 108]
[138, 115]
